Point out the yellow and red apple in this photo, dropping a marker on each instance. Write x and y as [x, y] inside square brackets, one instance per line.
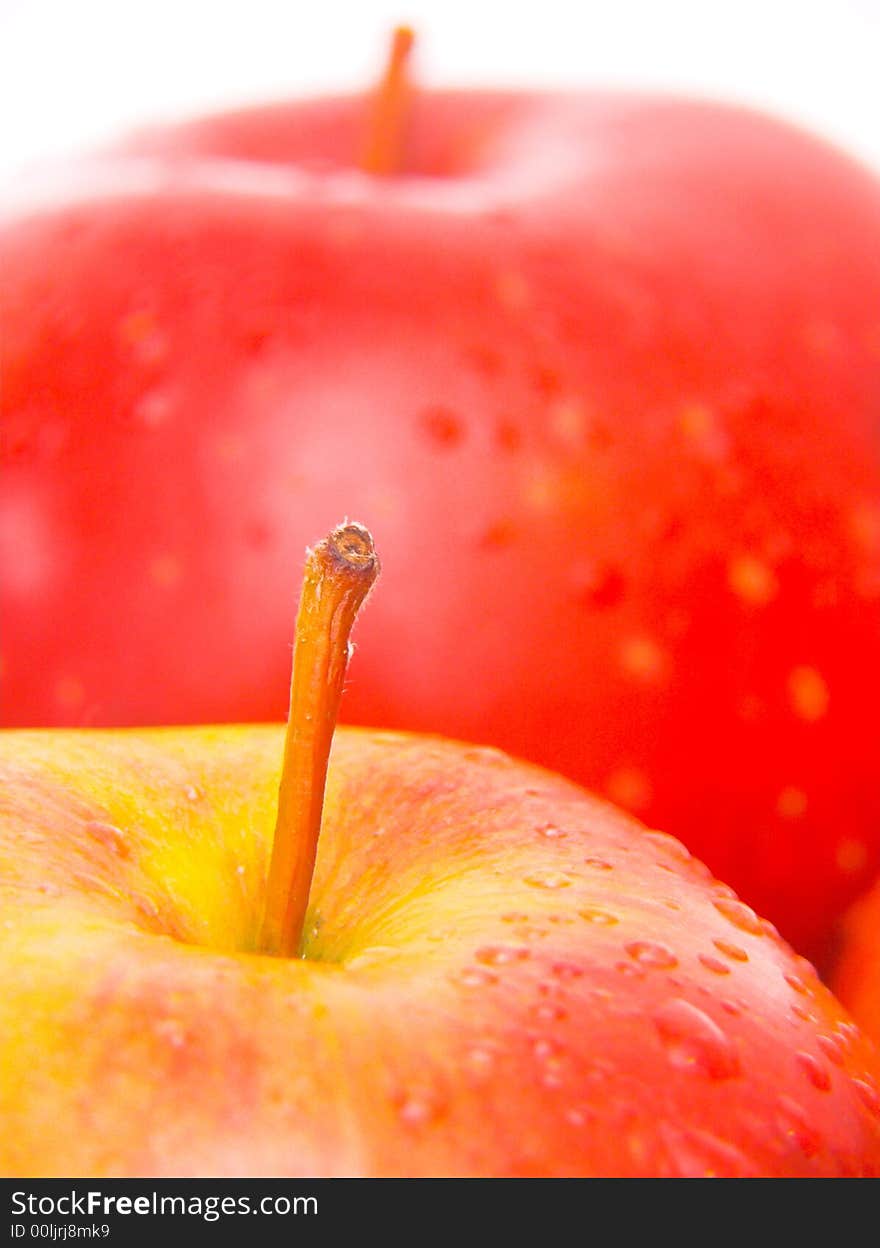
[499, 974]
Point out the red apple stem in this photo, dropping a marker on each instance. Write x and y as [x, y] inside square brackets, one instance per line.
[339, 574]
[383, 150]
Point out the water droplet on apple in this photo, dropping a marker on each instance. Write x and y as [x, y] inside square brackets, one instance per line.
[172, 1032]
[833, 1048]
[527, 932]
[566, 970]
[498, 535]
[694, 1041]
[552, 832]
[480, 1061]
[110, 837]
[802, 1012]
[500, 955]
[147, 907]
[548, 879]
[474, 977]
[442, 426]
[489, 755]
[507, 436]
[631, 788]
[601, 918]
[795, 982]
[739, 914]
[715, 965]
[671, 847]
[814, 1070]
[549, 1012]
[630, 970]
[193, 793]
[553, 1072]
[153, 409]
[868, 1095]
[731, 951]
[849, 1033]
[598, 586]
[417, 1111]
[651, 954]
[598, 864]
[795, 1126]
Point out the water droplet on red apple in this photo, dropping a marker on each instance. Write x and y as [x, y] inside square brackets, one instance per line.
[694, 1041]
[794, 1123]
[442, 426]
[498, 534]
[849, 1033]
[480, 1061]
[671, 847]
[153, 409]
[109, 836]
[868, 1095]
[731, 951]
[418, 1111]
[739, 914]
[566, 970]
[172, 1032]
[598, 586]
[549, 1012]
[715, 965]
[548, 879]
[500, 955]
[598, 864]
[629, 969]
[802, 1012]
[814, 1070]
[833, 1048]
[602, 918]
[488, 755]
[651, 954]
[507, 436]
[475, 977]
[552, 832]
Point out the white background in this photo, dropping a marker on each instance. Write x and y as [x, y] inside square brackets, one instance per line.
[75, 72]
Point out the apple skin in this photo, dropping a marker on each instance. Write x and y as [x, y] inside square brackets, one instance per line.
[503, 976]
[619, 355]
[855, 970]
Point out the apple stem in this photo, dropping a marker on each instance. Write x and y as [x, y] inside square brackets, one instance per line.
[382, 151]
[339, 574]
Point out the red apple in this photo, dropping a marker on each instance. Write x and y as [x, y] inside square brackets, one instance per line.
[500, 975]
[629, 343]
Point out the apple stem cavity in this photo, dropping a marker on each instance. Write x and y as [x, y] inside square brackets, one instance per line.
[382, 152]
[339, 573]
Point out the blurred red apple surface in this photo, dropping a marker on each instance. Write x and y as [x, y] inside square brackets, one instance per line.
[855, 975]
[603, 368]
